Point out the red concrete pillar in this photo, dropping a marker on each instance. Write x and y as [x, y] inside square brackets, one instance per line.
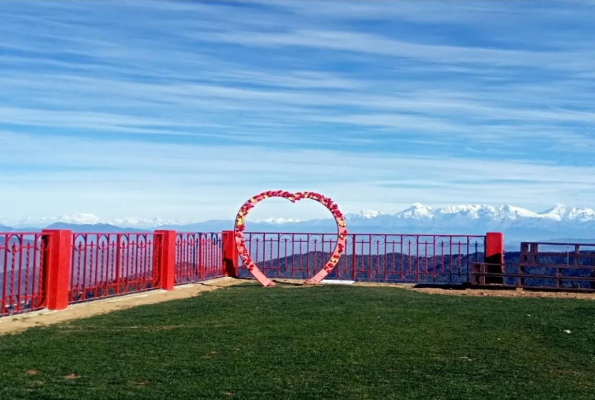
[230, 254]
[494, 256]
[57, 264]
[166, 240]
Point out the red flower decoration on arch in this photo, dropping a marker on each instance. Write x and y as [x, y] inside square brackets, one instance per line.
[240, 226]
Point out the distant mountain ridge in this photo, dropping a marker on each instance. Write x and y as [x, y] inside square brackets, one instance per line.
[516, 222]
[421, 212]
[91, 227]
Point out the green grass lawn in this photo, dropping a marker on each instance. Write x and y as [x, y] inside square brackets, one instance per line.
[326, 342]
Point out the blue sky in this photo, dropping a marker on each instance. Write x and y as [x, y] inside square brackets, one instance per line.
[183, 109]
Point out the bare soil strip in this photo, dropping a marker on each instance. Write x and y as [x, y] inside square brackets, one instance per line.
[20, 322]
[519, 293]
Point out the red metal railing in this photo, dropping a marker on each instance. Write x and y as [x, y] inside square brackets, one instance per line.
[56, 267]
[109, 264]
[21, 272]
[545, 265]
[49, 269]
[199, 257]
[368, 257]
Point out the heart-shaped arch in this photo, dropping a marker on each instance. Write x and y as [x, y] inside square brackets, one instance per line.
[240, 226]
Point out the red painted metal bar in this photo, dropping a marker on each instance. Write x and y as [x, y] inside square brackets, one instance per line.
[164, 268]
[56, 267]
[229, 254]
[494, 256]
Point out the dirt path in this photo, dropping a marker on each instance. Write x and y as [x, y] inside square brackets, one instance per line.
[21, 322]
[519, 293]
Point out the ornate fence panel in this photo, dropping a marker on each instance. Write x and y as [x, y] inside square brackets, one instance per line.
[109, 264]
[21, 272]
[198, 257]
[439, 259]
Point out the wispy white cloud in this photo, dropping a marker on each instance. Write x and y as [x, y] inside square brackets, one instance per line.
[194, 182]
[189, 107]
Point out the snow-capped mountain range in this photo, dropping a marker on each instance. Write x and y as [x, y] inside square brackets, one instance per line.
[479, 213]
[518, 223]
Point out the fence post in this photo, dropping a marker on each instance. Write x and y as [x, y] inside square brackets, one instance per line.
[57, 263]
[494, 256]
[230, 254]
[167, 258]
[354, 258]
